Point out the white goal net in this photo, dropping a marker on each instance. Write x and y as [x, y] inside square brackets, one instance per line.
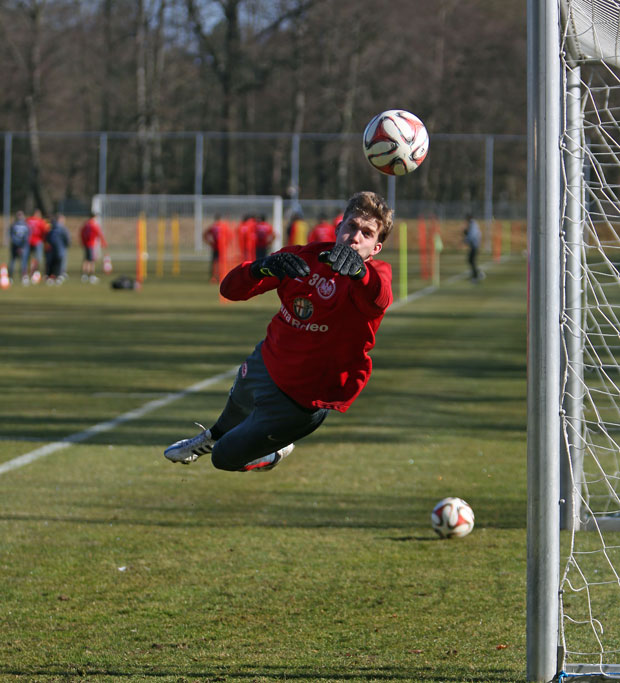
[589, 620]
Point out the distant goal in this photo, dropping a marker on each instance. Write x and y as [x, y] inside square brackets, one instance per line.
[191, 214]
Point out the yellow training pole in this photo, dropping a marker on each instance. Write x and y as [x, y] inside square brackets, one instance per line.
[175, 229]
[161, 246]
[141, 249]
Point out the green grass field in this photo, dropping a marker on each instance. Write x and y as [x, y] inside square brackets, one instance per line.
[117, 565]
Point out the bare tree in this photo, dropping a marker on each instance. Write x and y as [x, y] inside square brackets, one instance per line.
[157, 63]
[141, 104]
[27, 59]
[222, 48]
[239, 60]
[149, 72]
[348, 105]
[108, 52]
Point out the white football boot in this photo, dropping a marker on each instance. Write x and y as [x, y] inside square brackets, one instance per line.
[189, 450]
[269, 461]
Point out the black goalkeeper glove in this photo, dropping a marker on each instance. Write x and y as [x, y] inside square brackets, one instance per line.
[344, 260]
[280, 265]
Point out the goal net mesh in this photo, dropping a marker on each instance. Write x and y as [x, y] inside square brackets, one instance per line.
[589, 620]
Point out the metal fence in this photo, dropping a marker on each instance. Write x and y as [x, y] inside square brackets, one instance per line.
[483, 172]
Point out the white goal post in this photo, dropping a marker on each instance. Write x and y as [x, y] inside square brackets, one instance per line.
[119, 212]
[573, 600]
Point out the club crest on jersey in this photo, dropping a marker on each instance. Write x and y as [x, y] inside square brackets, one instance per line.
[303, 308]
[325, 288]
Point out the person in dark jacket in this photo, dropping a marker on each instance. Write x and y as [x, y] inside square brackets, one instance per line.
[57, 242]
[19, 236]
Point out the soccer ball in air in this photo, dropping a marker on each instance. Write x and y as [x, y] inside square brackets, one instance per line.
[395, 142]
[452, 518]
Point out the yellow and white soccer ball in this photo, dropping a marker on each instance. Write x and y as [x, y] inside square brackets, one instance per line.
[452, 518]
[395, 142]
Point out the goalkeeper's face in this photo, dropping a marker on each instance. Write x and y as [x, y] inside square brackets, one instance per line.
[360, 232]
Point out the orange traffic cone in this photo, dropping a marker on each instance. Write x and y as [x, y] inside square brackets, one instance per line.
[5, 283]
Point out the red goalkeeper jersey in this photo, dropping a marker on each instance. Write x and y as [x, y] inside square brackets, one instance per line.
[316, 348]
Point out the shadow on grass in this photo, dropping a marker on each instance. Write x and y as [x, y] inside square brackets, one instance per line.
[398, 411]
[275, 673]
[287, 509]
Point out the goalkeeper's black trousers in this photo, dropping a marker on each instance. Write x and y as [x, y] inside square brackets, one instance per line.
[258, 418]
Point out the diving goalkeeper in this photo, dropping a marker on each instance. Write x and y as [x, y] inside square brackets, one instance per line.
[314, 357]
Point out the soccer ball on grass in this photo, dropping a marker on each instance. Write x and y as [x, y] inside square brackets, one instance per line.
[452, 518]
[395, 142]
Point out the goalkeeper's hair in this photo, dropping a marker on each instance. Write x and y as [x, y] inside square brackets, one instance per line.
[373, 205]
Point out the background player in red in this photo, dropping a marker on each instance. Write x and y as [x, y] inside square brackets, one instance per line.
[315, 355]
[264, 237]
[90, 235]
[216, 236]
[322, 231]
[246, 234]
[38, 229]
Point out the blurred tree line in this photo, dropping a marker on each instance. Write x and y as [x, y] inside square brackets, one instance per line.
[154, 67]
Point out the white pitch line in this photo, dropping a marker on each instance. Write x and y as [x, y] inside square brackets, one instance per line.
[432, 288]
[135, 414]
[426, 291]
